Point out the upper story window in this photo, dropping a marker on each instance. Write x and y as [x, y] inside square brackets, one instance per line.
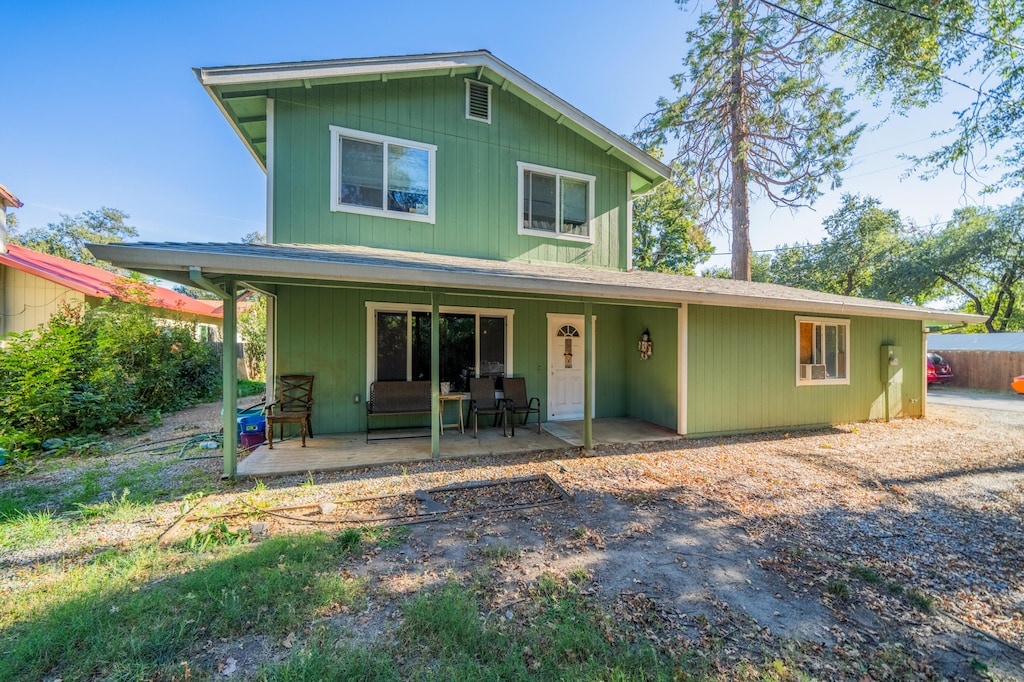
[555, 203]
[384, 176]
[823, 355]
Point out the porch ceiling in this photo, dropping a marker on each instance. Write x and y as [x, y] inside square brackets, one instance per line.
[256, 263]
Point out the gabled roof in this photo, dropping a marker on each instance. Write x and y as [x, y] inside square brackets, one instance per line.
[9, 200]
[262, 263]
[241, 93]
[92, 281]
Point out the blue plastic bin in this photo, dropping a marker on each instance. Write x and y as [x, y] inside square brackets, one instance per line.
[252, 424]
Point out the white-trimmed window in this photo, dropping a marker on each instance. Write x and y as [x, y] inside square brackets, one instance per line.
[555, 203]
[475, 342]
[383, 176]
[822, 350]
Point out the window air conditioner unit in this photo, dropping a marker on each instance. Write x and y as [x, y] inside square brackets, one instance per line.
[812, 372]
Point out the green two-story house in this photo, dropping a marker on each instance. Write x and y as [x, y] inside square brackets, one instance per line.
[450, 197]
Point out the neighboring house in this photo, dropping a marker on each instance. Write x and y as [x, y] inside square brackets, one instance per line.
[448, 196]
[34, 285]
[981, 361]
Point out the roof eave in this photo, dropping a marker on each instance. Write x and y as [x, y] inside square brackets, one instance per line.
[169, 262]
[214, 78]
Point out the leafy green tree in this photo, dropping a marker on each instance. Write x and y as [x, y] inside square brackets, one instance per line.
[666, 236]
[862, 236]
[908, 54]
[760, 269]
[754, 111]
[977, 259]
[67, 238]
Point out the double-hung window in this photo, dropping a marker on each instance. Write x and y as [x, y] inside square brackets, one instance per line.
[823, 351]
[474, 342]
[555, 203]
[384, 176]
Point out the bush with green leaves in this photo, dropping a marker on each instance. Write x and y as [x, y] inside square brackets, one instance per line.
[88, 370]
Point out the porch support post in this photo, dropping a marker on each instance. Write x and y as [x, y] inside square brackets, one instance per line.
[435, 378]
[588, 376]
[230, 384]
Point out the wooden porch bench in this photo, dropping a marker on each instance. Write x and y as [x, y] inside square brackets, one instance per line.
[390, 398]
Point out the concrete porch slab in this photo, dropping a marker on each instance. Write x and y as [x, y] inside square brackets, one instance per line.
[332, 452]
[611, 430]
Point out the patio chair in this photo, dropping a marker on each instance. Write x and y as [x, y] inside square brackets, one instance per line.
[517, 403]
[294, 405]
[484, 400]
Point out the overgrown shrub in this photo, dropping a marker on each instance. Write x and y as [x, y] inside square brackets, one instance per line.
[88, 370]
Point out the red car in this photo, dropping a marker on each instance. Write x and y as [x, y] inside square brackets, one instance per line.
[939, 371]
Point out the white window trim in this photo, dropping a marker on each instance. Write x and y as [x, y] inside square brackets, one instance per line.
[338, 132]
[835, 321]
[469, 84]
[374, 307]
[522, 166]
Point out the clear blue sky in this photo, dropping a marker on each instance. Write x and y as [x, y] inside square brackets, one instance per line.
[101, 107]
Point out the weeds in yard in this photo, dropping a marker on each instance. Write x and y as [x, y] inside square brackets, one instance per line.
[216, 535]
[117, 508]
[838, 588]
[385, 536]
[867, 574]
[498, 553]
[21, 530]
[921, 601]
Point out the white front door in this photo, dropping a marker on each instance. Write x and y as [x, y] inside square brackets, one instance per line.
[565, 367]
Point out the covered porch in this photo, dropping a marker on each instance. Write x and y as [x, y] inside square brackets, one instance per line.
[334, 452]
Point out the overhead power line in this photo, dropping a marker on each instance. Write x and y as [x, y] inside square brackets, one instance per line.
[934, 72]
[943, 24]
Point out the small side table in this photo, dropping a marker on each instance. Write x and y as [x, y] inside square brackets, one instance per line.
[447, 397]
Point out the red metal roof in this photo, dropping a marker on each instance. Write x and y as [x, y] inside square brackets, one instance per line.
[93, 281]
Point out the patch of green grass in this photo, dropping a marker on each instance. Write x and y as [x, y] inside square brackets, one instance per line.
[322, 659]
[26, 497]
[563, 637]
[88, 488]
[385, 536]
[247, 388]
[145, 609]
[22, 530]
[117, 508]
[921, 601]
[498, 553]
[867, 574]
[838, 588]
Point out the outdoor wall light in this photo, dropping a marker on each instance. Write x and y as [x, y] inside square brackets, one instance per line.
[646, 346]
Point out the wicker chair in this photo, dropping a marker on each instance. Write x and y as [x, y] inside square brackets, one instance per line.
[294, 405]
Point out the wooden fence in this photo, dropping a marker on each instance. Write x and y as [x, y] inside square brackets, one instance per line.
[988, 370]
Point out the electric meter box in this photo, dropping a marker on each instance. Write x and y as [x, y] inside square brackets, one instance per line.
[892, 364]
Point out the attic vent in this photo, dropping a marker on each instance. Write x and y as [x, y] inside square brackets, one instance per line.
[478, 101]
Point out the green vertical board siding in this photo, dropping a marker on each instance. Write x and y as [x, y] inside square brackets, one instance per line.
[652, 384]
[741, 372]
[322, 331]
[477, 210]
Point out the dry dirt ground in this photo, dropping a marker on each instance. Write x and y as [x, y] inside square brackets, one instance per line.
[866, 540]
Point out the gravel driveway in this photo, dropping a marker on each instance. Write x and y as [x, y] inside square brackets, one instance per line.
[847, 541]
